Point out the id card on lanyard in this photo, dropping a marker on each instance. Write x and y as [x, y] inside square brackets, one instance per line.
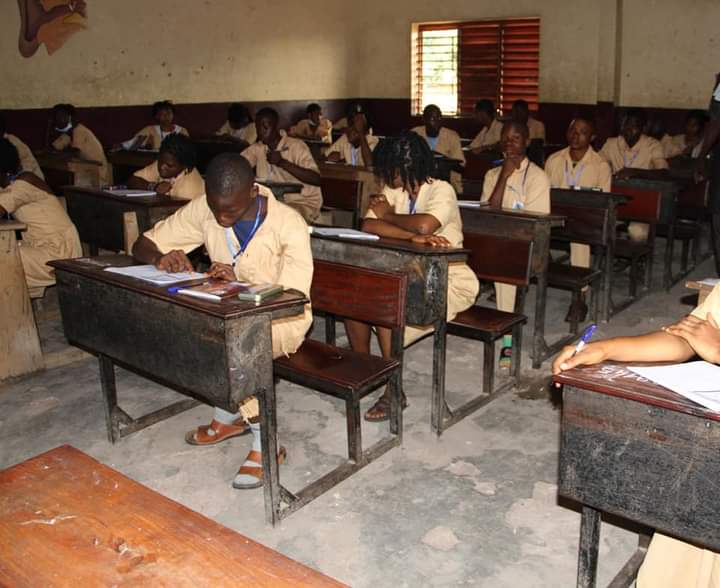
[433, 141]
[573, 180]
[629, 163]
[235, 253]
[519, 204]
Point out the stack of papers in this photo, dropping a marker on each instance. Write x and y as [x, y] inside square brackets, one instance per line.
[698, 381]
[343, 233]
[471, 204]
[149, 273]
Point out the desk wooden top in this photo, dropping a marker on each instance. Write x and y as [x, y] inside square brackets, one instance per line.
[66, 519]
[62, 159]
[614, 379]
[145, 201]
[588, 196]
[94, 268]
[399, 245]
[139, 158]
[11, 225]
[554, 220]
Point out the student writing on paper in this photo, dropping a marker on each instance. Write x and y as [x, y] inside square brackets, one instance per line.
[279, 158]
[517, 184]
[415, 207]
[443, 141]
[489, 136]
[250, 237]
[579, 165]
[315, 126]
[669, 563]
[239, 126]
[174, 173]
[50, 233]
[151, 136]
[356, 145]
[28, 162]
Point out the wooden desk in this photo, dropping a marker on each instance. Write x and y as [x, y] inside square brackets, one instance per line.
[525, 226]
[364, 175]
[67, 519]
[113, 222]
[19, 341]
[703, 289]
[427, 269]
[207, 149]
[279, 189]
[219, 353]
[641, 452]
[126, 163]
[62, 168]
[317, 147]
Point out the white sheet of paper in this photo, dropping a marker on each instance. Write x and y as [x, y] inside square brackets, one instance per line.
[471, 204]
[710, 281]
[343, 233]
[697, 380]
[131, 193]
[149, 273]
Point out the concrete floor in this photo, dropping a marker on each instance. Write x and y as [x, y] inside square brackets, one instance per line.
[478, 507]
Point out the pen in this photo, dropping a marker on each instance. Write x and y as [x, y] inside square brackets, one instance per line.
[176, 289]
[585, 339]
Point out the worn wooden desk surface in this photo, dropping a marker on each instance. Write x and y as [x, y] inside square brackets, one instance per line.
[62, 168]
[125, 163]
[279, 189]
[364, 175]
[66, 519]
[703, 289]
[639, 451]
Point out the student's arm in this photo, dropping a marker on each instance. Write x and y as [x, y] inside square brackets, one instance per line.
[365, 150]
[146, 251]
[509, 166]
[414, 224]
[306, 175]
[456, 152]
[703, 335]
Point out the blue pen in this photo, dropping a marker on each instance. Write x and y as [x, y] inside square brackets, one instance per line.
[176, 289]
[585, 339]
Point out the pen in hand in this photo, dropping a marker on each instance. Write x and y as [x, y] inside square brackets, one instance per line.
[585, 338]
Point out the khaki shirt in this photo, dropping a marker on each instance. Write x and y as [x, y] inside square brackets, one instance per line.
[536, 128]
[48, 225]
[305, 130]
[710, 305]
[248, 133]
[185, 186]
[154, 136]
[676, 144]
[647, 153]
[341, 124]
[448, 144]
[488, 136]
[279, 253]
[352, 155]
[527, 188]
[28, 162]
[297, 152]
[89, 147]
[592, 171]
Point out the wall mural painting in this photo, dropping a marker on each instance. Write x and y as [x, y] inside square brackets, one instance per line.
[50, 23]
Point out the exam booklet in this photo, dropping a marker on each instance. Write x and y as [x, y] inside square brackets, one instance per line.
[343, 233]
[149, 273]
[130, 193]
[698, 381]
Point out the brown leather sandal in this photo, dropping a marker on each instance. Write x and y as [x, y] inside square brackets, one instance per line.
[255, 471]
[380, 411]
[216, 432]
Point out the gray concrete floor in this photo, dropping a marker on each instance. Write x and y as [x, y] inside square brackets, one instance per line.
[478, 507]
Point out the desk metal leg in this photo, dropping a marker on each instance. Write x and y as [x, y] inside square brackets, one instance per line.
[438, 408]
[268, 439]
[109, 395]
[588, 554]
[607, 279]
[539, 346]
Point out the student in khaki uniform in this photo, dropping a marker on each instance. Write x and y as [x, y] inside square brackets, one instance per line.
[688, 144]
[277, 157]
[489, 137]
[239, 126]
[251, 237]
[28, 162]
[521, 113]
[517, 184]
[444, 141]
[579, 165]
[352, 109]
[174, 173]
[315, 126]
[151, 136]
[415, 207]
[356, 145]
[70, 135]
[669, 563]
[50, 233]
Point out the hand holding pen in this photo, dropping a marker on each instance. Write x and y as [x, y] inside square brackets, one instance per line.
[584, 353]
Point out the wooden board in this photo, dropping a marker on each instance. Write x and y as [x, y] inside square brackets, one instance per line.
[68, 520]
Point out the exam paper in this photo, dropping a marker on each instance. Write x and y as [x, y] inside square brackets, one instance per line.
[131, 193]
[697, 380]
[471, 204]
[149, 273]
[343, 233]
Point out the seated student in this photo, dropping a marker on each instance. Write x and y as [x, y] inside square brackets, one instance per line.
[352, 109]
[250, 237]
[415, 207]
[174, 173]
[315, 126]
[688, 144]
[488, 138]
[669, 563]
[69, 135]
[239, 126]
[520, 112]
[277, 157]
[28, 162]
[517, 184]
[579, 165]
[50, 233]
[634, 154]
[356, 145]
[444, 141]
[151, 136]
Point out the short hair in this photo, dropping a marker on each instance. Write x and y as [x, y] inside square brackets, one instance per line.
[520, 103]
[485, 105]
[430, 108]
[637, 113]
[69, 109]
[520, 127]
[9, 158]
[585, 118]
[182, 148]
[314, 107]
[353, 108]
[226, 173]
[268, 112]
[238, 112]
[162, 105]
[407, 154]
[699, 115]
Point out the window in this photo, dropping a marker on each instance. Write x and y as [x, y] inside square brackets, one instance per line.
[457, 64]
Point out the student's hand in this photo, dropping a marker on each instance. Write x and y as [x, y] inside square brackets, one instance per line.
[139, 142]
[591, 354]
[432, 240]
[174, 261]
[221, 271]
[360, 124]
[380, 206]
[275, 158]
[702, 335]
[163, 187]
[510, 164]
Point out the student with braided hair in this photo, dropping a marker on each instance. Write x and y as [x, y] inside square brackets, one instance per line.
[415, 207]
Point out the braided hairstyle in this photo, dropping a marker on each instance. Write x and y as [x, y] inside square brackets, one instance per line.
[182, 148]
[409, 155]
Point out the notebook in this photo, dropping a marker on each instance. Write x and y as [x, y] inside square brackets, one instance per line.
[149, 273]
[697, 380]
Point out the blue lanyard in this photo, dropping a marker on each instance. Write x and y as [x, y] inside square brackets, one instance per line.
[522, 187]
[574, 180]
[433, 141]
[412, 205]
[354, 154]
[244, 242]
